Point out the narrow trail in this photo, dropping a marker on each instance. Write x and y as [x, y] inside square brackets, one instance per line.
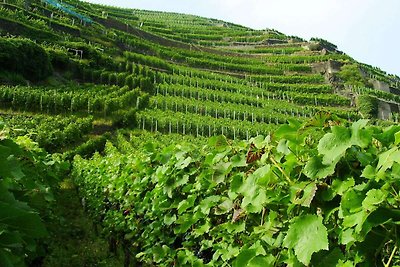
[73, 239]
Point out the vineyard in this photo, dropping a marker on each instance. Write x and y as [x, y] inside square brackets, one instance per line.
[165, 139]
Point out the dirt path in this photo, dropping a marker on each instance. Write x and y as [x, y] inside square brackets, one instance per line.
[73, 239]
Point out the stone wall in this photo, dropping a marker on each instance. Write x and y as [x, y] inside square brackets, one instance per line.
[384, 110]
[327, 68]
[378, 85]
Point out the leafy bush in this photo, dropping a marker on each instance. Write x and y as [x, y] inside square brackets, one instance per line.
[27, 176]
[24, 57]
[351, 75]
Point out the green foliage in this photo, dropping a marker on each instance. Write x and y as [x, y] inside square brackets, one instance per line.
[205, 206]
[335, 144]
[51, 133]
[306, 235]
[27, 176]
[146, 85]
[305, 59]
[59, 59]
[88, 99]
[91, 53]
[125, 118]
[390, 97]
[147, 60]
[351, 75]
[24, 57]
[368, 106]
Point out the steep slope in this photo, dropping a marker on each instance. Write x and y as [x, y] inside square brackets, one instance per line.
[81, 78]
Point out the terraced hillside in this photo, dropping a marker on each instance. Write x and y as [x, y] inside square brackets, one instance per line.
[80, 78]
[189, 65]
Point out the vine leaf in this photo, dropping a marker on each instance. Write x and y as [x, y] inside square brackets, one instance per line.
[333, 145]
[304, 193]
[254, 195]
[351, 202]
[168, 220]
[306, 235]
[244, 257]
[369, 172]
[262, 261]
[25, 221]
[315, 169]
[386, 161]
[328, 258]
[388, 136]
[255, 256]
[373, 199]
[183, 163]
[359, 136]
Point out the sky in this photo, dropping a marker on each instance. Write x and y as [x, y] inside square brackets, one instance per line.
[367, 30]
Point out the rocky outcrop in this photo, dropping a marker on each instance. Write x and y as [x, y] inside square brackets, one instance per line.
[327, 68]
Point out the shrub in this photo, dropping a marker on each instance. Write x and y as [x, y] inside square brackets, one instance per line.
[351, 75]
[24, 57]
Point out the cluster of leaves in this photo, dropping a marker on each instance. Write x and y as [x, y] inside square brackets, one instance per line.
[27, 176]
[288, 199]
